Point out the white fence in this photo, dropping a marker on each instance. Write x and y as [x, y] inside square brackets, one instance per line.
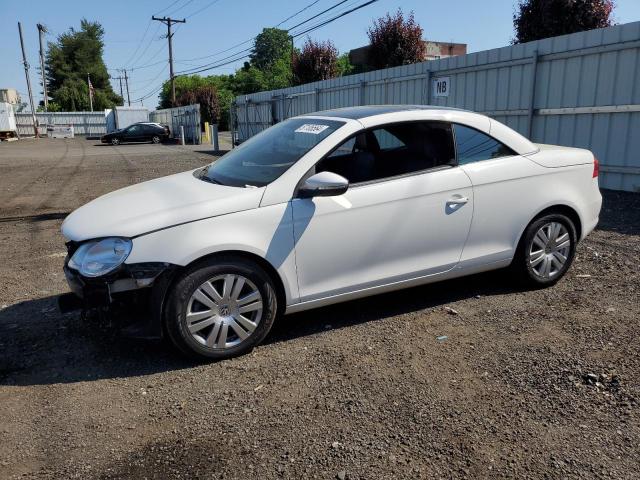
[579, 90]
[187, 117]
[84, 123]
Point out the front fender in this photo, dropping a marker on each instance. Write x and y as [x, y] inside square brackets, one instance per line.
[266, 232]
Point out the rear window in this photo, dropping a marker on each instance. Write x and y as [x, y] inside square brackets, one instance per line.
[474, 146]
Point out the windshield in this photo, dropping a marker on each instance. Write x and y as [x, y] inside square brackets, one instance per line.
[266, 156]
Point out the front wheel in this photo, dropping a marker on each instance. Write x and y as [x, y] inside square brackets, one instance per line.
[115, 141]
[220, 308]
[546, 250]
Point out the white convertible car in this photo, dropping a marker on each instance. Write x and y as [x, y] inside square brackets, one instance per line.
[328, 207]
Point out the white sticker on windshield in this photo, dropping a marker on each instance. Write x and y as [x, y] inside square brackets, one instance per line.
[312, 128]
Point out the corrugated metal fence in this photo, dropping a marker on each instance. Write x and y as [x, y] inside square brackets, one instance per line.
[579, 90]
[187, 116]
[84, 123]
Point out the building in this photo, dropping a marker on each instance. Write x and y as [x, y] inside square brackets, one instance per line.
[358, 57]
[10, 95]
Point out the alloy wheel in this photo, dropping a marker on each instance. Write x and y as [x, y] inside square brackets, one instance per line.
[549, 250]
[224, 311]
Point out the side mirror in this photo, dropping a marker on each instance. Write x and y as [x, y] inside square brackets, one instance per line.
[323, 184]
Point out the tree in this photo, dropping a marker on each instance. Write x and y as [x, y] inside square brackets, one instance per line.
[344, 65]
[271, 45]
[68, 61]
[537, 19]
[207, 97]
[316, 61]
[395, 41]
[190, 88]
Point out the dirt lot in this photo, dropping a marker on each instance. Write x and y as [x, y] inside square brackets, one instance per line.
[526, 384]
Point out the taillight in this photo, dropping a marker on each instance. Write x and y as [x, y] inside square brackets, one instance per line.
[596, 167]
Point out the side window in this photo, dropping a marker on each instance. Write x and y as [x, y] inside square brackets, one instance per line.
[474, 146]
[386, 140]
[345, 149]
[133, 130]
[392, 150]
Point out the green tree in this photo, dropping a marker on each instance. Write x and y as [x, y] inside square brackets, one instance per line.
[271, 45]
[537, 19]
[187, 88]
[68, 61]
[269, 66]
[344, 65]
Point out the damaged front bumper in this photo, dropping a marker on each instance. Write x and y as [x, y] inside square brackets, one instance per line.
[134, 293]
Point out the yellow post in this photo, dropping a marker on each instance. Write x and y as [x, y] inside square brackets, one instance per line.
[206, 133]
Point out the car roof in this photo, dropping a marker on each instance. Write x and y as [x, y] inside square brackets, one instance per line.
[358, 113]
[373, 115]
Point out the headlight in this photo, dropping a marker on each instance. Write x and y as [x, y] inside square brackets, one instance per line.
[99, 257]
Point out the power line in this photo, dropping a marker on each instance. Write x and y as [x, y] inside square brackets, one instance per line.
[151, 40]
[234, 57]
[203, 9]
[331, 20]
[141, 67]
[317, 15]
[167, 8]
[297, 13]
[179, 8]
[212, 66]
[139, 44]
[254, 37]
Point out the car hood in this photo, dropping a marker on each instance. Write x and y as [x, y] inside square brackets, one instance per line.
[156, 204]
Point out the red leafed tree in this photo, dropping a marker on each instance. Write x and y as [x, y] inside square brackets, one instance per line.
[316, 61]
[395, 40]
[207, 97]
[537, 19]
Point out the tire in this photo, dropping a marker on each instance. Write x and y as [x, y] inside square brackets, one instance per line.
[538, 263]
[205, 292]
[155, 139]
[115, 141]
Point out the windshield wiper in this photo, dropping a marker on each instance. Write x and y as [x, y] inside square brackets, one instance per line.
[202, 175]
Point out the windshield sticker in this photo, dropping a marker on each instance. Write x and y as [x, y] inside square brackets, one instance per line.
[312, 128]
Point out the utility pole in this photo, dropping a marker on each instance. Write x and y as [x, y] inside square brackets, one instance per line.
[126, 81]
[90, 91]
[41, 31]
[26, 72]
[168, 22]
[121, 92]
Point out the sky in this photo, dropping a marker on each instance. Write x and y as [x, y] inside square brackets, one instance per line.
[133, 41]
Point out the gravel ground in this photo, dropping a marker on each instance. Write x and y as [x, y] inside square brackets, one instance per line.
[468, 378]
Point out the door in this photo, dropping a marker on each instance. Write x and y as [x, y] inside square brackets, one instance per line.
[134, 133]
[406, 214]
[505, 198]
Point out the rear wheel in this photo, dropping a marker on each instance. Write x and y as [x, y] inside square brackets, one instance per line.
[155, 139]
[115, 141]
[221, 308]
[546, 250]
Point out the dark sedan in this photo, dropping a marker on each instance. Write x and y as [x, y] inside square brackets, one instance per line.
[138, 132]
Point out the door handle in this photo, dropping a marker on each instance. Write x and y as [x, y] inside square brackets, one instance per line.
[458, 200]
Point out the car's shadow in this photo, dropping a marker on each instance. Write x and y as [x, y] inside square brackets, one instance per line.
[38, 345]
